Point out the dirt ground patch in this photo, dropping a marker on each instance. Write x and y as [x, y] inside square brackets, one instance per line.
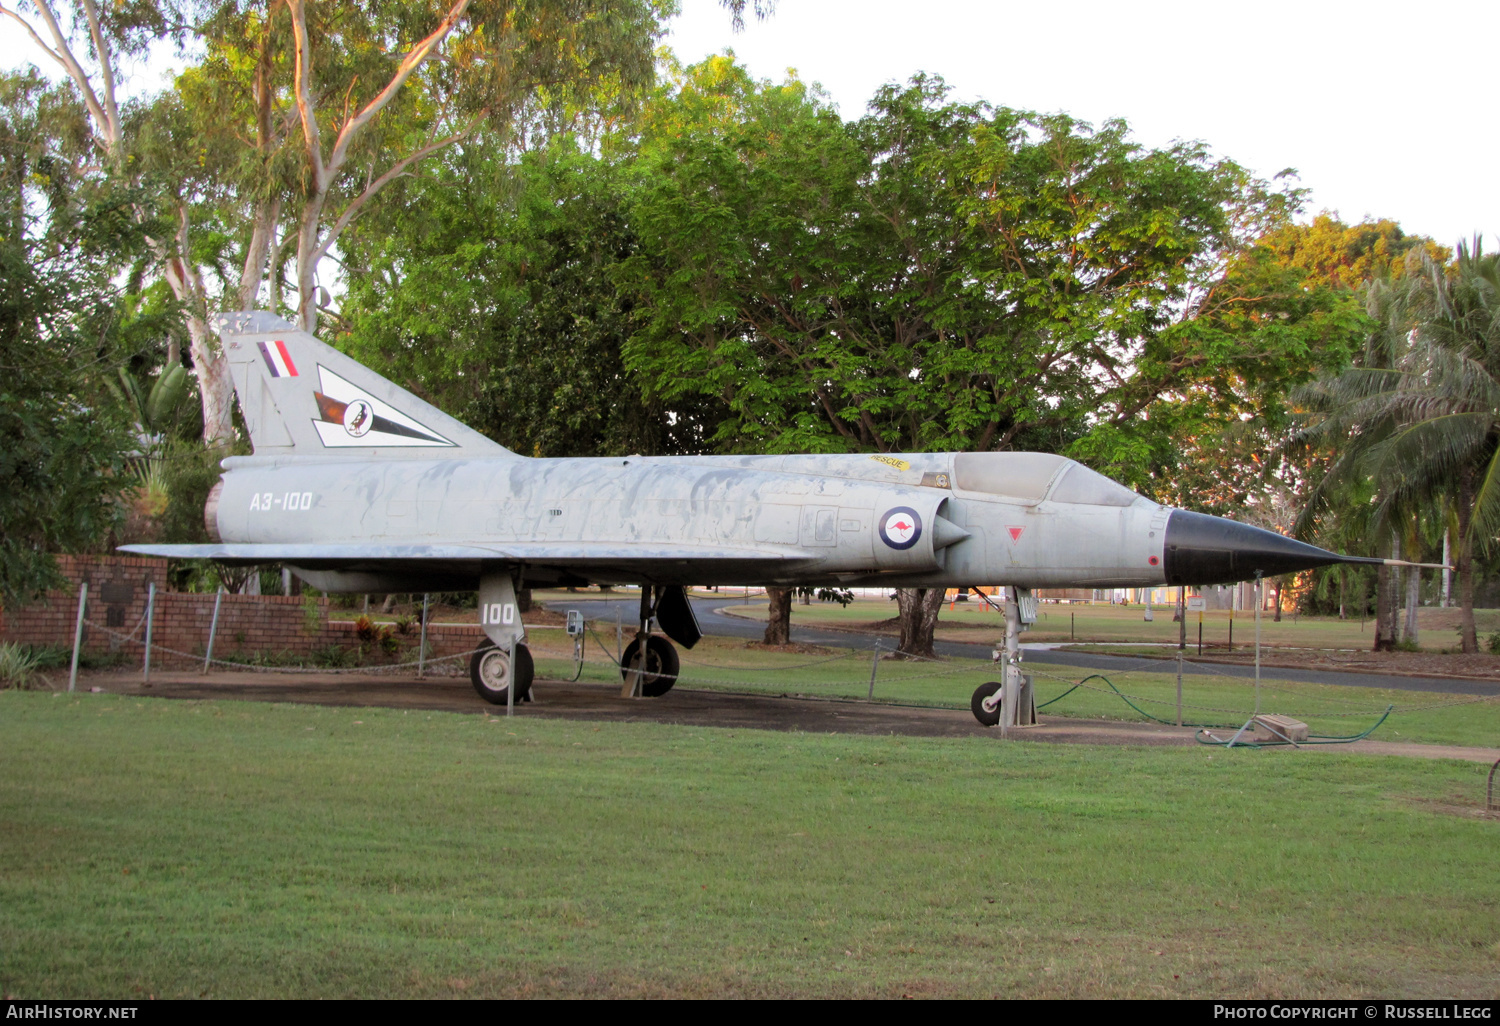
[684, 706]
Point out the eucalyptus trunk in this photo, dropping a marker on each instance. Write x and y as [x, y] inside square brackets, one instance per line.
[779, 624]
[917, 610]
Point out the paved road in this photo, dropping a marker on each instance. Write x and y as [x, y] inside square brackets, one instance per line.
[716, 623]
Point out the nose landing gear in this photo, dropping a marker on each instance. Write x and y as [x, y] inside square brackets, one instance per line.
[986, 703]
[1009, 702]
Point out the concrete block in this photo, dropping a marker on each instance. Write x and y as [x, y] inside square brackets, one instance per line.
[1280, 728]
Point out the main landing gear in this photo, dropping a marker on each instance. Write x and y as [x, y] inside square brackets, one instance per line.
[649, 664]
[657, 672]
[490, 670]
[501, 669]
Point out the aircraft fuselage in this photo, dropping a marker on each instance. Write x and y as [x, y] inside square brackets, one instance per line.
[832, 519]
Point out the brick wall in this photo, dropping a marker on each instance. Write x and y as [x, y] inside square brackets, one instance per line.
[278, 626]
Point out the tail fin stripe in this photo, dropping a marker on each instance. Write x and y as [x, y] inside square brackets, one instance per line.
[278, 359]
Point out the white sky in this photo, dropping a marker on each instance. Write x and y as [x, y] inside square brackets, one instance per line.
[1384, 109]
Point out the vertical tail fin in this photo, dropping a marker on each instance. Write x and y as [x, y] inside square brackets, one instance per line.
[302, 397]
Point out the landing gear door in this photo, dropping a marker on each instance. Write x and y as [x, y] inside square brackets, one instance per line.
[499, 614]
[674, 613]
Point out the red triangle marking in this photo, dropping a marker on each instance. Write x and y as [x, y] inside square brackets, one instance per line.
[1015, 533]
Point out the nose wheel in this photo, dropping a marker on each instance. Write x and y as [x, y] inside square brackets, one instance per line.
[986, 703]
[493, 677]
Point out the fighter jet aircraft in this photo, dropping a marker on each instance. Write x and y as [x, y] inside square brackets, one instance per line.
[359, 486]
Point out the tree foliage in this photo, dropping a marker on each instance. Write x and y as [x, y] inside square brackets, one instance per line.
[940, 275]
[488, 287]
[1421, 416]
[63, 445]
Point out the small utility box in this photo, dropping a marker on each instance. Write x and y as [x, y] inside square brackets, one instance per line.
[1281, 728]
[575, 623]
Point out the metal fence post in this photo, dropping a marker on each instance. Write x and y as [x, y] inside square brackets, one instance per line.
[1179, 687]
[213, 628]
[874, 669]
[422, 645]
[150, 615]
[83, 598]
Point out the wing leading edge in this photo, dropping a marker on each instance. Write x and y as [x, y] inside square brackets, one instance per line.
[647, 559]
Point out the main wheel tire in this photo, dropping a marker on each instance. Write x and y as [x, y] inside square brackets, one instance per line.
[489, 669]
[983, 715]
[660, 670]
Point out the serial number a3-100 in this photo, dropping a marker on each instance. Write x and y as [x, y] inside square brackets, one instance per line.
[287, 501]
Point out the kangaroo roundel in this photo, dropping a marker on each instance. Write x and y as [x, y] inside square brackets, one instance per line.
[900, 527]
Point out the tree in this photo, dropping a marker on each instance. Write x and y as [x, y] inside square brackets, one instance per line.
[302, 112]
[63, 447]
[1422, 418]
[934, 276]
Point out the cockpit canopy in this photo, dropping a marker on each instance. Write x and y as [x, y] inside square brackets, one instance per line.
[1029, 477]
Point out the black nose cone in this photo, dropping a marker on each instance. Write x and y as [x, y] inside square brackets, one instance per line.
[1201, 549]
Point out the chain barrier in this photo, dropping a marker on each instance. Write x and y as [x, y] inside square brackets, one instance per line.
[1151, 666]
[263, 668]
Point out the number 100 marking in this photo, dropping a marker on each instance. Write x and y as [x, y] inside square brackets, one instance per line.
[497, 613]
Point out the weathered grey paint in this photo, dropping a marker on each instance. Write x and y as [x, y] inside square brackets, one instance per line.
[382, 511]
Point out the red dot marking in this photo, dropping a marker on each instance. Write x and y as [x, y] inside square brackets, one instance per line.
[1153, 560]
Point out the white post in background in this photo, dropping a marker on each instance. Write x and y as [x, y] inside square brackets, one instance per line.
[83, 598]
[422, 644]
[1260, 586]
[1447, 580]
[150, 615]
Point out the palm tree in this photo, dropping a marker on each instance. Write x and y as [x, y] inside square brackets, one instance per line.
[1421, 418]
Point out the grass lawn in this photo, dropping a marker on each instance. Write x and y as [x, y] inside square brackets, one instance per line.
[247, 849]
[974, 621]
[727, 664]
